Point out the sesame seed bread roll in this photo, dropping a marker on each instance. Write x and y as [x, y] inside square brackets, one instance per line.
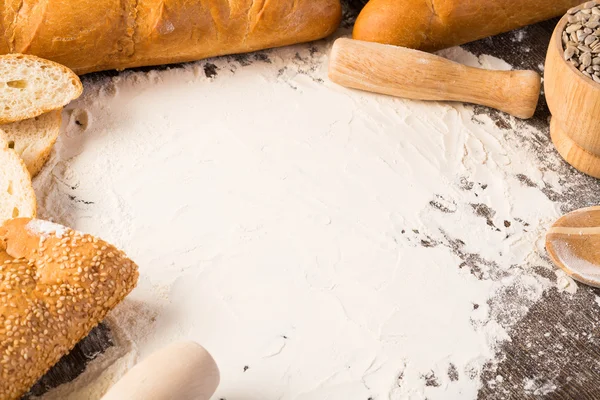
[56, 284]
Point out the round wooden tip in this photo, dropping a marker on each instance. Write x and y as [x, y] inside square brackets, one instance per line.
[579, 158]
[524, 94]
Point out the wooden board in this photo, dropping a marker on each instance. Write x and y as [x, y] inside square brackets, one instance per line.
[557, 340]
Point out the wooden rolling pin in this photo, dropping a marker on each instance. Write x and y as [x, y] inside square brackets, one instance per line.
[417, 75]
[182, 371]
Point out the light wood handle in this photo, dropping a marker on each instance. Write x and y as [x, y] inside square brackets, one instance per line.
[417, 75]
[181, 371]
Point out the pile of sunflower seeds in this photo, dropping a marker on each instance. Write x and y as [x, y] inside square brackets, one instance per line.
[581, 40]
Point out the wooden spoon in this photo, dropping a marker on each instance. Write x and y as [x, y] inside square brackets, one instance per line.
[417, 75]
[573, 243]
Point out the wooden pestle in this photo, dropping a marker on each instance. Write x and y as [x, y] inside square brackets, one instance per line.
[417, 75]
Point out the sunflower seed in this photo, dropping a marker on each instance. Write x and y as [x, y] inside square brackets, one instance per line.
[589, 40]
[581, 35]
[596, 78]
[569, 53]
[586, 59]
[581, 39]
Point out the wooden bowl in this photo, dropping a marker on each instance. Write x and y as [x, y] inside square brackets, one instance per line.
[574, 101]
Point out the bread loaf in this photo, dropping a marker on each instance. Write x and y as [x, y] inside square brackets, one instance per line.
[17, 198]
[55, 286]
[32, 139]
[118, 34]
[436, 24]
[31, 86]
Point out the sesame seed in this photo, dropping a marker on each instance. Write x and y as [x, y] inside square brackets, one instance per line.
[40, 331]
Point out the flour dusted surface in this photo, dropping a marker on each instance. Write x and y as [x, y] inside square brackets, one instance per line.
[320, 242]
[46, 228]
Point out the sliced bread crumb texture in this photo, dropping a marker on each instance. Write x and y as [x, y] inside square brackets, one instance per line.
[31, 86]
[33, 139]
[17, 198]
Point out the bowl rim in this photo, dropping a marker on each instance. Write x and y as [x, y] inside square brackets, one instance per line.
[557, 39]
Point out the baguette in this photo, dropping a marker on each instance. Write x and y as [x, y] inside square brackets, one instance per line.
[119, 34]
[33, 139]
[55, 286]
[431, 25]
[31, 86]
[17, 198]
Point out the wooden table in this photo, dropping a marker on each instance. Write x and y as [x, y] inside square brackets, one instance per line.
[533, 354]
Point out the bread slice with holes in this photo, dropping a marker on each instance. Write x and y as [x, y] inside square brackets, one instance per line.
[17, 198]
[33, 138]
[31, 86]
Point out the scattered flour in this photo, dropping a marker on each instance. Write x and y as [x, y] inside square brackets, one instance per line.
[339, 244]
[519, 35]
[564, 282]
[46, 228]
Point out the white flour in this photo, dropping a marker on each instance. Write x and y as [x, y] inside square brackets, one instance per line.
[46, 228]
[335, 243]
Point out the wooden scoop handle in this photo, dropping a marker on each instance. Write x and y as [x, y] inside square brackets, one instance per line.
[417, 75]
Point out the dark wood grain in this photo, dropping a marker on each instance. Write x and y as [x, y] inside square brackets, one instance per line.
[73, 364]
[553, 352]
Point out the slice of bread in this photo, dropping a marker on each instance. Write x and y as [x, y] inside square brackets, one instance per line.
[34, 138]
[17, 198]
[31, 86]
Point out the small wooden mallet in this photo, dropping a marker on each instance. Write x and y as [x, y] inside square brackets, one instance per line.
[417, 75]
